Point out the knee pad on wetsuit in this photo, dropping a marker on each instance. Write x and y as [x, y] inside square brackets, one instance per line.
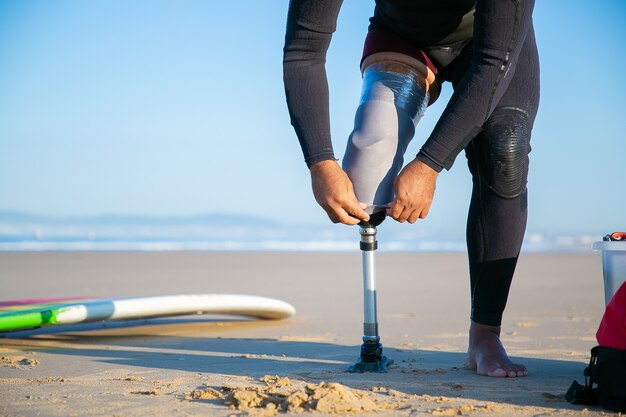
[502, 151]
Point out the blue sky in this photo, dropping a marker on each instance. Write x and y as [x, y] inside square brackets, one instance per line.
[177, 108]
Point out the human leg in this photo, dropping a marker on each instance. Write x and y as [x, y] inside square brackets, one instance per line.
[498, 161]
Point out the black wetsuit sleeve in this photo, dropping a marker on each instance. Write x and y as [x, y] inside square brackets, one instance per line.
[500, 28]
[310, 25]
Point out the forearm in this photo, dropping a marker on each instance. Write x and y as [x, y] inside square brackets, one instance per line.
[306, 90]
[310, 24]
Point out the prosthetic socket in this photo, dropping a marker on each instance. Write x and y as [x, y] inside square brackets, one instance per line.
[394, 97]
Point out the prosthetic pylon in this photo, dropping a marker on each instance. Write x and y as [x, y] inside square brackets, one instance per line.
[372, 358]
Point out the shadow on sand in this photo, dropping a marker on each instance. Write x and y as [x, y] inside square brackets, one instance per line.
[435, 373]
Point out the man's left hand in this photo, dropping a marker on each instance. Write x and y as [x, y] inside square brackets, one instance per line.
[414, 191]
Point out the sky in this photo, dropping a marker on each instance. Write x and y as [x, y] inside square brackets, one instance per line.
[164, 108]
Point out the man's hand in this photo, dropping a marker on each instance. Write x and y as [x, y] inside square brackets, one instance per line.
[333, 191]
[414, 188]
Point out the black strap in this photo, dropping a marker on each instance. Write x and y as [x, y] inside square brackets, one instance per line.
[585, 394]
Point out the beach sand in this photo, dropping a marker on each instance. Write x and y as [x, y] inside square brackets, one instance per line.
[223, 366]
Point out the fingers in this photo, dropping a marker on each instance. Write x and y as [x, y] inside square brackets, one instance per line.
[331, 215]
[395, 211]
[356, 210]
[409, 214]
[347, 219]
[346, 212]
[414, 216]
[339, 215]
[414, 189]
[409, 207]
[333, 191]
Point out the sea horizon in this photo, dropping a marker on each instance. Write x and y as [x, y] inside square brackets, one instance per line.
[20, 231]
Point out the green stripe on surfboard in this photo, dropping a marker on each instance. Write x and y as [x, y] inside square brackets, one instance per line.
[28, 319]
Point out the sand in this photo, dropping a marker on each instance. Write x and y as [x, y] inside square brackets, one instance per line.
[224, 366]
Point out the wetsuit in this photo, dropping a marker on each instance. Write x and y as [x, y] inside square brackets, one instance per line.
[487, 50]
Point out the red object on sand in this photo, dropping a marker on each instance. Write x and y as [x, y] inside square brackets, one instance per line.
[612, 330]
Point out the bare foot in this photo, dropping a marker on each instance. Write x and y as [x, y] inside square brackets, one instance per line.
[487, 356]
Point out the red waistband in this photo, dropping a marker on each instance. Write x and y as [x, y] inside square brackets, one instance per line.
[382, 40]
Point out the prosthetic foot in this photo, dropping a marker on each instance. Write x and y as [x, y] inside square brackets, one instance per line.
[372, 358]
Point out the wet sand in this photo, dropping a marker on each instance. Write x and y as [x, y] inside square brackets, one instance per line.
[172, 366]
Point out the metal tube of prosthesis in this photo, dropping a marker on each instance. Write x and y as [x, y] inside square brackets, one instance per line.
[368, 246]
[371, 359]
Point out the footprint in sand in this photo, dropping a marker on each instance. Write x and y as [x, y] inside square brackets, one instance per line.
[18, 362]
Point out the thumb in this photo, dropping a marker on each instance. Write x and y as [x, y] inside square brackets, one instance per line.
[356, 209]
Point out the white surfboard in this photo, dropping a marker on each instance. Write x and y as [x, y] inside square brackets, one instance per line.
[31, 314]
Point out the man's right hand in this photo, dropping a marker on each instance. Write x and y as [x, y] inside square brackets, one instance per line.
[334, 192]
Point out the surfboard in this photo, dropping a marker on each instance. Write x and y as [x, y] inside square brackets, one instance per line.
[34, 313]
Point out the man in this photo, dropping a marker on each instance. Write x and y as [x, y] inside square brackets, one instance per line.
[486, 49]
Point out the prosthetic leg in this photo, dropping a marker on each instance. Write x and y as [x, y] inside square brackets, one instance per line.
[394, 98]
[372, 358]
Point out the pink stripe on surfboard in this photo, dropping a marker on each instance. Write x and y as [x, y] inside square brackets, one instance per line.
[35, 301]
